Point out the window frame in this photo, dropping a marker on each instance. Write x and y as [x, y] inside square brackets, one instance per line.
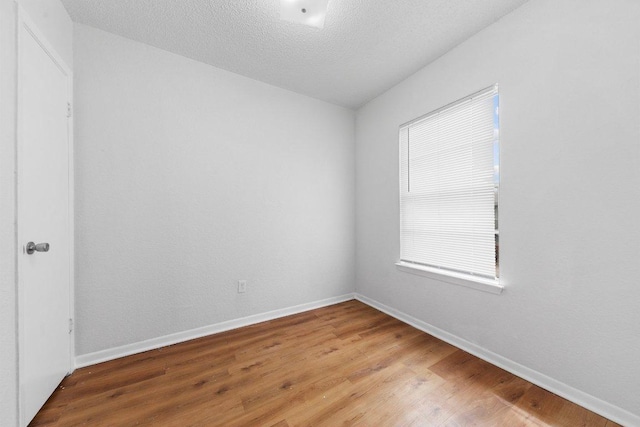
[482, 283]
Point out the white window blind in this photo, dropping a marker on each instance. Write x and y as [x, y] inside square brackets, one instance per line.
[448, 187]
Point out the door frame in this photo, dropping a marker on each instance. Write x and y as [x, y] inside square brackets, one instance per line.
[24, 21]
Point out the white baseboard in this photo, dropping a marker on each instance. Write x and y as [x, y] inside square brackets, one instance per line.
[607, 410]
[154, 343]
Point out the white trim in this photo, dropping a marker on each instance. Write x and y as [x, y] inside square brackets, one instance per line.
[607, 410]
[492, 286]
[72, 229]
[155, 343]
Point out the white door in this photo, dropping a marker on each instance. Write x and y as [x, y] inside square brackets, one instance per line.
[44, 217]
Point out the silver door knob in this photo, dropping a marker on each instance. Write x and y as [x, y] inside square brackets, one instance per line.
[40, 247]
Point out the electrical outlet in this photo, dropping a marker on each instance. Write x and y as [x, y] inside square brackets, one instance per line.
[242, 286]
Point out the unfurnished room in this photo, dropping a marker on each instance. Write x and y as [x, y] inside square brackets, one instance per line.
[319, 213]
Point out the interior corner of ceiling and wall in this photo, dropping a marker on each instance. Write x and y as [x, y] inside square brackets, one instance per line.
[365, 47]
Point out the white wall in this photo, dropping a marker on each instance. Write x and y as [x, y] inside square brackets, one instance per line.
[189, 178]
[569, 75]
[53, 21]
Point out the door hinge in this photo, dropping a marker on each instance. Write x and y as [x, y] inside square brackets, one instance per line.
[70, 325]
[68, 109]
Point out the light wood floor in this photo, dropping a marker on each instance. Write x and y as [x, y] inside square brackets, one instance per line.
[347, 364]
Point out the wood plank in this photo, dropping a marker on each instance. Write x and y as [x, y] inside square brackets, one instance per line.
[346, 364]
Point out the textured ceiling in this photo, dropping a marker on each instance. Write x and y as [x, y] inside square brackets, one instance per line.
[366, 46]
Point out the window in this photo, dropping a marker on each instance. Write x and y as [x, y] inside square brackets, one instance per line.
[449, 180]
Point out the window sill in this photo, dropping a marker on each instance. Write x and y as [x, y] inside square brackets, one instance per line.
[478, 283]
